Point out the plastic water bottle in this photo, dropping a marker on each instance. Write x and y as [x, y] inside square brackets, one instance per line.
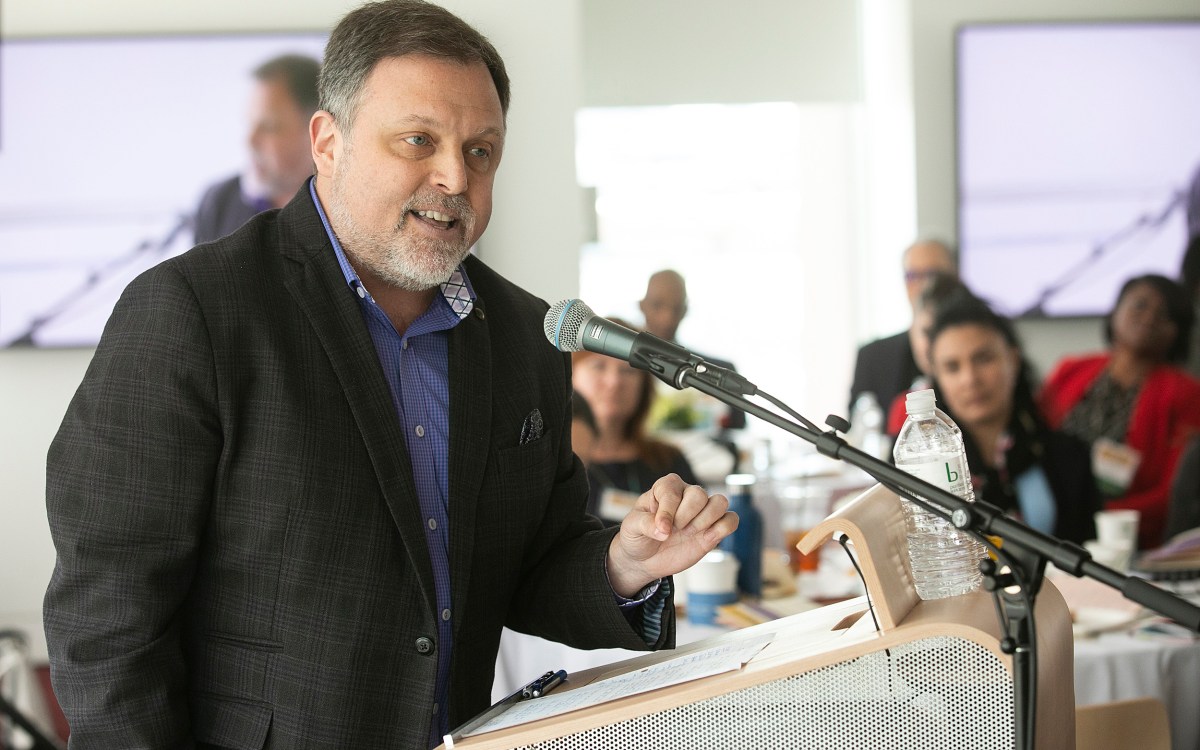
[746, 542]
[945, 561]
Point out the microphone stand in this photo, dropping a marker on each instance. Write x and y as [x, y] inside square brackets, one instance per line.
[1026, 550]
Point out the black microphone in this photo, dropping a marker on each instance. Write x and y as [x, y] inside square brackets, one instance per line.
[571, 326]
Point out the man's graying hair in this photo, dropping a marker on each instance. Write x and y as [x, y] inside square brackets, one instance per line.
[394, 28]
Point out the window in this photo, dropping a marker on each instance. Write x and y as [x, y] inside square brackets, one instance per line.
[755, 205]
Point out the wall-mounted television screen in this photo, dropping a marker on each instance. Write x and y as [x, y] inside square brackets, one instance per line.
[1078, 147]
[106, 145]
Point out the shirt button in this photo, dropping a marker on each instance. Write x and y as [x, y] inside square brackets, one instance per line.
[404, 344]
[424, 645]
[420, 431]
[446, 614]
[362, 292]
[433, 524]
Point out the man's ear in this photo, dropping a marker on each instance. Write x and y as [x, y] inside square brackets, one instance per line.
[326, 140]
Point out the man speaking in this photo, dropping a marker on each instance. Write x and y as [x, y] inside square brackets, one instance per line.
[317, 465]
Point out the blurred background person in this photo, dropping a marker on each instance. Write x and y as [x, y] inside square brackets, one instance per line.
[1183, 508]
[1134, 403]
[282, 102]
[937, 290]
[664, 306]
[887, 367]
[1017, 462]
[625, 461]
[1189, 276]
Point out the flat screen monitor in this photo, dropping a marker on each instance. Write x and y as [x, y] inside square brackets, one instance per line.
[106, 145]
[1078, 146]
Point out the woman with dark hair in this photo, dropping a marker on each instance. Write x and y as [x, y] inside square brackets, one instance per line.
[1134, 403]
[624, 460]
[1017, 462]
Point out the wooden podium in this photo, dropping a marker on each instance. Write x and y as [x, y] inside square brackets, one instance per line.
[931, 676]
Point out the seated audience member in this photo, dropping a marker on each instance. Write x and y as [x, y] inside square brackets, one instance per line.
[664, 306]
[1189, 276]
[938, 290]
[624, 461]
[1183, 510]
[1134, 403]
[887, 367]
[1017, 462]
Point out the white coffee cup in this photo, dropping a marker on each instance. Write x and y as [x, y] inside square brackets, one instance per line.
[1117, 528]
[1117, 558]
[711, 583]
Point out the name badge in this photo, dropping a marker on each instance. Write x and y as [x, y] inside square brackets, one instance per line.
[615, 504]
[1114, 465]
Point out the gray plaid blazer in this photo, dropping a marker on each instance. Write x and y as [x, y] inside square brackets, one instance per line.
[240, 556]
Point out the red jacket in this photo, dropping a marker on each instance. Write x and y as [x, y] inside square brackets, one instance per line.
[1166, 414]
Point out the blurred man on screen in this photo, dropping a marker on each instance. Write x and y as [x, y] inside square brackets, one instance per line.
[282, 101]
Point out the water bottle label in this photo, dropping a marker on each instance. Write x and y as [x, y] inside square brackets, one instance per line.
[946, 472]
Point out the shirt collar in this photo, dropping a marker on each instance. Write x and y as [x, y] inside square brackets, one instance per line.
[457, 291]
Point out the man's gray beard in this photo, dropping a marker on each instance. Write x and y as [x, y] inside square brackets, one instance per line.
[410, 264]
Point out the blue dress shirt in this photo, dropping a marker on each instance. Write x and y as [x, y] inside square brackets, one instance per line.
[416, 365]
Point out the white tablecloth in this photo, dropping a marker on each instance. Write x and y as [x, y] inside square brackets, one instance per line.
[1119, 666]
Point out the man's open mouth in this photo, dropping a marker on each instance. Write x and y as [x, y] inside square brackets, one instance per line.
[436, 218]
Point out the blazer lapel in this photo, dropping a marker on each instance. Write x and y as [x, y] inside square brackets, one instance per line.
[320, 290]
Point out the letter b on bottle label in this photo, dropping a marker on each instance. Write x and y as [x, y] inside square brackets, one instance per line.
[944, 471]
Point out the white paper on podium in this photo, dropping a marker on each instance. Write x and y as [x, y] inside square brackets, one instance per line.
[717, 660]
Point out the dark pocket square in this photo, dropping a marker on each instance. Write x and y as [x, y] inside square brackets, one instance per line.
[532, 428]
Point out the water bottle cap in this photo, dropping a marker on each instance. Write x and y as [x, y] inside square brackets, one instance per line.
[919, 401]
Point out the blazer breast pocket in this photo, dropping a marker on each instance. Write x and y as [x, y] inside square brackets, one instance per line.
[525, 457]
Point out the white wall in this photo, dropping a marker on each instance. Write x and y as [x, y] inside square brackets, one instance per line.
[715, 51]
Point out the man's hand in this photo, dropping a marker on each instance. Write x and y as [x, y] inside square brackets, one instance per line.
[669, 529]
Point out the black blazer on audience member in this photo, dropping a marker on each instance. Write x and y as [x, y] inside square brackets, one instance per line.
[886, 368]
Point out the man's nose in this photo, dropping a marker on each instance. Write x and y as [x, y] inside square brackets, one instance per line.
[450, 173]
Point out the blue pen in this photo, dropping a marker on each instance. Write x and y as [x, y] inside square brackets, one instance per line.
[544, 684]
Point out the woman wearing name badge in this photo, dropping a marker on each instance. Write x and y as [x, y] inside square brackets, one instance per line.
[1134, 403]
[1017, 462]
[624, 460]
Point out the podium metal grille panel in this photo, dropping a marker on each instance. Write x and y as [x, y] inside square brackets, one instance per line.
[927, 694]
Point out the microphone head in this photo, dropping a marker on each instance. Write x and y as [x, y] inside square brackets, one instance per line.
[564, 324]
